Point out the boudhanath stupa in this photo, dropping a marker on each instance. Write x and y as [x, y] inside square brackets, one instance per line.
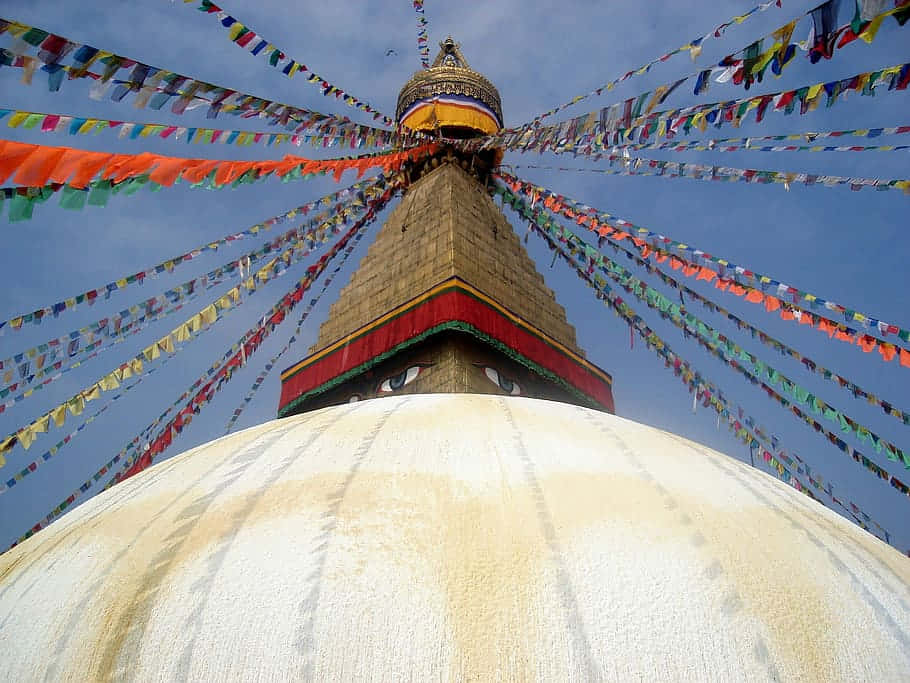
[448, 495]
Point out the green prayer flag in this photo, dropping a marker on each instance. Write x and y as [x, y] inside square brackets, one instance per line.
[73, 198]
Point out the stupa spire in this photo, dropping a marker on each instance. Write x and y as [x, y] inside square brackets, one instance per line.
[446, 298]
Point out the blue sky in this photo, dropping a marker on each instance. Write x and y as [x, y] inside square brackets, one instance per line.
[849, 247]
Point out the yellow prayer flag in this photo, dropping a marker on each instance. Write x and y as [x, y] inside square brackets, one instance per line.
[17, 118]
[93, 393]
[166, 344]
[42, 423]
[151, 352]
[182, 333]
[76, 405]
[26, 436]
[209, 314]
[59, 414]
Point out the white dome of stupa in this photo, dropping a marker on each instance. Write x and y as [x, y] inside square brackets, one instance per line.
[453, 537]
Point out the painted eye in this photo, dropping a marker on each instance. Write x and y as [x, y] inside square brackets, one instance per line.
[396, 382]
[503, 383]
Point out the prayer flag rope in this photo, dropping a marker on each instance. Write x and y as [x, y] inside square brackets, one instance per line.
[732, 353]
[255, 44]
[749, 64]
[113, 329]
[152, 86]
[205, 318]
[76, 125]
[740, 281]
[203, 389]
[166, 171]
[423, 40]
[693, 47]
[641, 166]
[261, 377]
[736, 351]
[748, 143]
[623, 122]
[55, 449]
[711, 396]
[37, 165]
[89, 297]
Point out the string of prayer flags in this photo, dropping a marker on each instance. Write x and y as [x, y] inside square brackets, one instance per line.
[732, 353]
[642, 166]
[203, 319]
[245, 37]
[624, 121]
[37, 165]
[168, 266]
[251, 341]
[725, 348]
[693, 47]
[705, 390]
[749, 64]
[261, 377]
[151, 86]
[748, 143]
[211, 174]
[756, 333]
[201, 391]
[302, 245]
[352, 137]
[56, 448]
[730, 277]
[423, 40]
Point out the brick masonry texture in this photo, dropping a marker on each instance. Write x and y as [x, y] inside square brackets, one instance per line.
[446, 224]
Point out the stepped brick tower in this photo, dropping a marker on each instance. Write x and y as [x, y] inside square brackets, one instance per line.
[446, 299]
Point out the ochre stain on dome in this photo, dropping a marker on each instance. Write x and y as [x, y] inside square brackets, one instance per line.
[456, 537]
[484, 553]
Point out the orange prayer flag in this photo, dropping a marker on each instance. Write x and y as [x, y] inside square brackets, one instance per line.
[229, 171]
[843, 335]
[11, 155]
[772, 303]
[826, 325]
[905, 358]
[675, 263]
[168, 170]
[706, 274]
[787, 313]
[36, 169]
[645, 251]
[689, 270]
[88, 166]
[619, 235]
[603, 230]
[806, 318]
[136, 165]
[67, 166]
[661, 256]
[722, 284]
[867, 342]
[887, 350]
[114, 164]
[197, 169]
[754, 296]
[638, 242]
[737, 289]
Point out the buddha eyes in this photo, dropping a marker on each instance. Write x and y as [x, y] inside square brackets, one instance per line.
[400, 380]
[503, 383]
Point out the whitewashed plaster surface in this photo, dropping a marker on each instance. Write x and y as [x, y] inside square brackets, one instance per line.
[453, 538]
